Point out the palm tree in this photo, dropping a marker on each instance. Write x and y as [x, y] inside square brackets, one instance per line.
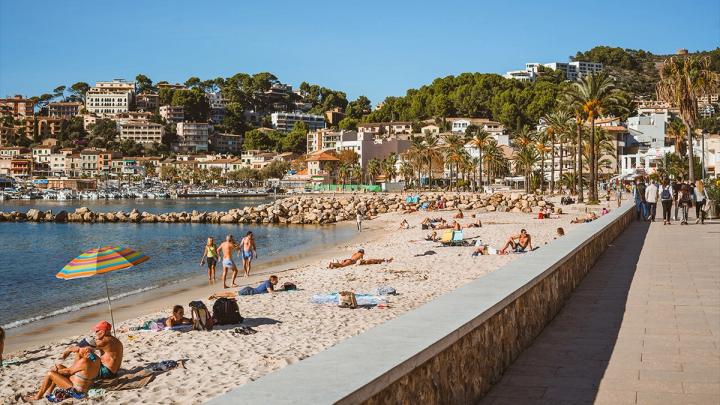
[479, 139]
[542, 149]
[373, 169]
[407, 171]
[493, 159]
[388, 166]
[595, 94]
[431, 153]
[525, 159]
[355, 173]
[557, 128]
[415, 155]
[453, 152]
[343, 173]
[682, 81]
[476, 163]
[676, 130]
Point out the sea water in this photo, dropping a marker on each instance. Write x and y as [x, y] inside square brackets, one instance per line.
[34, 252]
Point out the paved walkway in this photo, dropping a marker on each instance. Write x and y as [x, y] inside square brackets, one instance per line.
[643, 327]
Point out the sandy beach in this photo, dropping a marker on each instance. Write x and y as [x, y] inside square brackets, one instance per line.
[289, 327]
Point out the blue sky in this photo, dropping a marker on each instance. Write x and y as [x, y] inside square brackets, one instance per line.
[374, 48]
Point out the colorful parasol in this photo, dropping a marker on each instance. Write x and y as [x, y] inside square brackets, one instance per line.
[101, 261]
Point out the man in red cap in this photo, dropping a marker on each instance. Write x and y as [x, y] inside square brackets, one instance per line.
[110, 347]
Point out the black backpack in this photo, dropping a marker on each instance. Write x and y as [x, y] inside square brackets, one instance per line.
[226, 312]
[201, 319]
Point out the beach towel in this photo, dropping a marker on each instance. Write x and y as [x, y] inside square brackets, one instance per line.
[61, 394]
[130, 380]
[384, 290]
[362, 299]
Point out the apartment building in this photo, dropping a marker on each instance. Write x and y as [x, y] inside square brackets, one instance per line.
[285, 121]
[41, 154]
[495, 129]
[110, 98]
[193, 136]
[225, 143]
[224, 165]
[572, 70]
[386, 128]
[367, 145]
[45, 126]
[17, 106]
[172, 113]
[147, 101]
[648, 128]
[65, 110]
[217, 106]
[140, 131]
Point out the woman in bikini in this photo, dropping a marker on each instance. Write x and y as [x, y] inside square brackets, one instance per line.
[79, 376]
[210, 254]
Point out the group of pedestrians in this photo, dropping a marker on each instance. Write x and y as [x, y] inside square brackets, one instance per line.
[680, 195]
[246, 250]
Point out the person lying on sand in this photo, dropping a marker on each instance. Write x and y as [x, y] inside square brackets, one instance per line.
[426, 223]
[404, 224]
[459, 215]
[177, 317]
[443, 225]
[111, 350]
[374, 261]
[456, 226]
[79, 376]
[485, 250]
[267, 286]
[476, 224]
[587, 218]
[523, 242]
[432, 237]
[347, 262]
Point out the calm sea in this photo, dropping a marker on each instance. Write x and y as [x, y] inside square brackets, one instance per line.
[35, 252]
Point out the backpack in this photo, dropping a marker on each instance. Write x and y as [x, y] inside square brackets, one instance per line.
[226, 312]
[641, 191]
[666, 194]
[201, 319]
[347, 300]
[288, 286]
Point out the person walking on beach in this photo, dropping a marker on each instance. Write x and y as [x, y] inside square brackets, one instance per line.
[666, 199]
[358, 220]
[227, 248]
[248, 251]
[700, 198]
[210, 254]
[651, 199]
[676, 192]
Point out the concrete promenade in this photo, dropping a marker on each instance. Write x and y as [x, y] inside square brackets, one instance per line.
[643, 327]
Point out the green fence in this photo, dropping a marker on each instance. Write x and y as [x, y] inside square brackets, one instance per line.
[346, 187]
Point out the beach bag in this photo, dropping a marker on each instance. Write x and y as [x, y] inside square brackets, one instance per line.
[347, 299]
[288, 286]
[226, 312]
[201, 319]
[666, 194]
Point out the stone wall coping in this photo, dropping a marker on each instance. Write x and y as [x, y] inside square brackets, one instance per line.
[359, 367]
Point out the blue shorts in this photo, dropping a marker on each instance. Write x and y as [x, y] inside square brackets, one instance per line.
[247, 254]
[105, 373]
[228, 263]
[519, 249]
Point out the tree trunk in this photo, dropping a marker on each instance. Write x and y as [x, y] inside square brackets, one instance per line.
[560, 176]
[542, 170]
[593, 166]
[690, 152]
[430, 173]
[579, 164]
[480, 166]
[552, 168]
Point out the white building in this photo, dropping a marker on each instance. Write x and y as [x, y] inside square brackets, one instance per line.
[193, 136]
[41, 154]
[367, 145]
[172, 113]
[495, 129]
[285, 121]
[140, 131]
[218, 107]
[572, 70]
[109, 98]
[649, 126]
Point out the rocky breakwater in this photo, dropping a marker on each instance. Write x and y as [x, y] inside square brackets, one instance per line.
[298, 210]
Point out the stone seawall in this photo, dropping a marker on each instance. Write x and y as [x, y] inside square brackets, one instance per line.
[296, 210]
[454, 348]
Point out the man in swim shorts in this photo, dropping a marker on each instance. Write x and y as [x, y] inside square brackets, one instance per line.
[523, 242]
[248, 251]
[227, 248]
[110, 347]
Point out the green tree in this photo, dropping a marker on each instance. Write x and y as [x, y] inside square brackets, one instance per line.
[59, 92]
[78, 91]
[479, 139]
[359, 107]
[194, 103]
[144, 83]
[275, 170]
[348, 124]
[296, 140]
[104, 130]
[258, 140]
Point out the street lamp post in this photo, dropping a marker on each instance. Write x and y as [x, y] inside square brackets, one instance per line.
[702, 156]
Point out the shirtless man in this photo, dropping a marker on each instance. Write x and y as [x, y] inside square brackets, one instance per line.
[110, 347]
[347, 262]
[523, 241]
[248, 251]
[79, 376]
[227, 249]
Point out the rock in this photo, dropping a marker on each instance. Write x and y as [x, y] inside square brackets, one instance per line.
[61, 216]
[34, 215]
[228, 219]
[82, 210]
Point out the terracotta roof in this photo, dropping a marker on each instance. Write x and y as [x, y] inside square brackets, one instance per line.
[606, 119]
[322, 157]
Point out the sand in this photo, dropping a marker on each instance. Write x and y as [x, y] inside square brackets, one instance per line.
[290, 327]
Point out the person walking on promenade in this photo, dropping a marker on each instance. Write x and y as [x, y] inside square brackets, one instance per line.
[210, 254]
[651, 199]
[227, 248]
[618, 192]
[638, 193]
[666, 199]
[684, 200]
[700, 198]
[248, 251]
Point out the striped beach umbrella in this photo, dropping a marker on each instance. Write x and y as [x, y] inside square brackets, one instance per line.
[102, 261]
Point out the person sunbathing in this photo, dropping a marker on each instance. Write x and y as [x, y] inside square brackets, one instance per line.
[443, 225]
[364, 262]
[432, 237]
[484, 250]
[111, 350]
[177, 317]
[476, 224]
[459, 215]
[426, 224]
[524, 241]
[587, 218]
[456, 226]
[79, 376]
[404, 224]
[348, 262]
[267, 286]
